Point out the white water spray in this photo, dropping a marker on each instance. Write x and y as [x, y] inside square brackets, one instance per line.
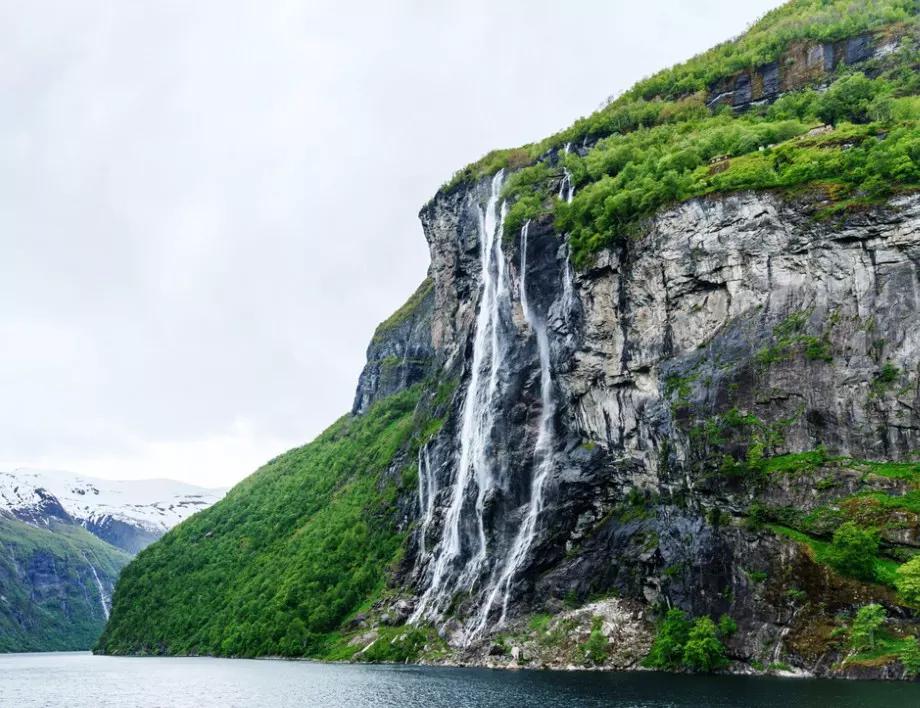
[103, 597]
[542, 461]
[478, 418]
[427, 491]
[567, 187]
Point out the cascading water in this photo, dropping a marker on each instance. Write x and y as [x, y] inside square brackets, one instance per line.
[103, 597]
[542, 462]
[461, 545]
[427, 491]
[567, 187]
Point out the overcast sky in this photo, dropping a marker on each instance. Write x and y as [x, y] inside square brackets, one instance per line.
[207, 206]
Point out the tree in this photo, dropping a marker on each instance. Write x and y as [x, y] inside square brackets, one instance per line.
[703, 651]
[667, 651]
[910, 657]
[853, 551]
[867, 622]
[908, 582]
[849, 99]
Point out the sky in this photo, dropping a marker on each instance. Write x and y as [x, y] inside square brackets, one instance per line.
[206, 206]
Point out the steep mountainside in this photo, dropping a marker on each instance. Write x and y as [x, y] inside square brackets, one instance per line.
[55, 586]
[127, 514]
[659, 398]
[63, 541]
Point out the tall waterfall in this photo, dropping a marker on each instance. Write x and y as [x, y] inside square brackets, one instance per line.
[462, 551]
[103, 597]
[542, 462]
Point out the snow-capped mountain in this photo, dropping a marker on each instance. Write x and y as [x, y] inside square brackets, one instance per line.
[127, 514]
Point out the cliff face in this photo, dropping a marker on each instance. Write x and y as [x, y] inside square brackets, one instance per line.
[734, 324]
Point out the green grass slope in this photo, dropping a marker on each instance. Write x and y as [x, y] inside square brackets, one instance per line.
[49, 599]
[274, 568]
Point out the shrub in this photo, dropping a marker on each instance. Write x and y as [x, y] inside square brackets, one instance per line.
[910, 657]
[692, 644]
[908, 582]
[853, 550]
[595, 650]
[704, 651]
[667, 651]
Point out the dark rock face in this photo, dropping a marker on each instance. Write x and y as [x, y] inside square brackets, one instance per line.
[656, 342]
[804, 64]
[401, 353]
[127, 537]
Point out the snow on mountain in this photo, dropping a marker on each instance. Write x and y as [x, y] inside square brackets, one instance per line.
[128, 514]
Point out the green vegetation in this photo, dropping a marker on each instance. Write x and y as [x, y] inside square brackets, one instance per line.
[653, 146]
[408, 309]
[596, 649]
[277, 565]
[910, 656]
[884, 570]
[682, 643]
[396, 645]
[908, 582]
[865, 626]
[63, 611]
[853, 550]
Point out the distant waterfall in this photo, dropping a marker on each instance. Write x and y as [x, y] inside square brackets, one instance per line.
[103, 597]
[542, 461]
[567, 187]
[464, 544]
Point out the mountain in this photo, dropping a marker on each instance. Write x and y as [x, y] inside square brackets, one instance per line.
[657, 401]
[127, 514]
[56, 583]
[63, 541]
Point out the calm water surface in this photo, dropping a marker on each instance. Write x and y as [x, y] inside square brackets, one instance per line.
[81, 680]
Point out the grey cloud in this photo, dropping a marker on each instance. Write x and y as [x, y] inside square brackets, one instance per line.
[206, 207]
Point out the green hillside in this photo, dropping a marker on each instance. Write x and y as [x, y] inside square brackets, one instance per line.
[49, 598]
[286, 556]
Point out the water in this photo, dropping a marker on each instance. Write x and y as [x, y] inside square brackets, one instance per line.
[462, 551]
[542, 459]
[103, 598]
[84, 681]
[427, 492]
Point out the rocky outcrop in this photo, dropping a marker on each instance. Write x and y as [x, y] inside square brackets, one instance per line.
[401, 353]
[733, 323]
[803, 64]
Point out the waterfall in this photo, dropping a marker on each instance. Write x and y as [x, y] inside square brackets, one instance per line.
[542, 460]
[567, 187]
[103, 598]
[427, 491]
[474, 469]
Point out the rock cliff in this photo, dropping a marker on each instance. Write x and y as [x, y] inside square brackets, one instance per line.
[733, 323]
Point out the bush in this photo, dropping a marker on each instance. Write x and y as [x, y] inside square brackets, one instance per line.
[850, 99]
[597, 647]
[910, 657]
[704, 651]
[908, 582]
[667, 651]
[691, 644]
[853, 550]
